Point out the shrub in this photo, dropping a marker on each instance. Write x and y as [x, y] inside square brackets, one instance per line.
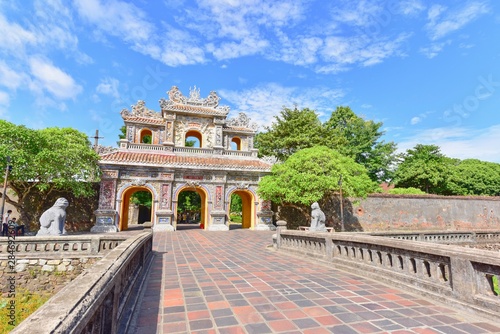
[406, 191]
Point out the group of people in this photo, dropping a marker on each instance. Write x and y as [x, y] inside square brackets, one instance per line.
[11, 223]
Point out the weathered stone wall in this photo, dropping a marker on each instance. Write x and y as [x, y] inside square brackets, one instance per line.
[44, 274]
[382, 212]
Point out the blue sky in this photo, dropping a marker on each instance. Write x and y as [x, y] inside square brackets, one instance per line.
[429, 70]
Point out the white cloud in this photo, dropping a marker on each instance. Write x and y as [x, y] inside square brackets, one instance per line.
[434, 49]
[262, 103]
[10, 78]
[358, 13]
[14, 38]
[109, 86]
[415, 120]
[348, 50]
[459, 142]
[411, 7]
[443, 22]
[52, 79]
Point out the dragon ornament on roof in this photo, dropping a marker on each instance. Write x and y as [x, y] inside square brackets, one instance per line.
[242, 121]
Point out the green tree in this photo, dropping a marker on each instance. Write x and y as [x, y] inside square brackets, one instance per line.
[123, 132]
[292, 131]
[189, 201]
[424, 167]
[345, 132]
[359, 139]
[312, 173]
[46, 160]
[142, 198]
[475, 177]
[236, 204]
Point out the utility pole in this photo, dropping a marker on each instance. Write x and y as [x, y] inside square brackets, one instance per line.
[341, 206]
[96, 140]
[4, 191]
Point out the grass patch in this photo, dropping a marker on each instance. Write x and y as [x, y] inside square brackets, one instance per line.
[26, 303]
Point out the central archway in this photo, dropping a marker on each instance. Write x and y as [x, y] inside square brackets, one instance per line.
[125, 205]
[181, 212]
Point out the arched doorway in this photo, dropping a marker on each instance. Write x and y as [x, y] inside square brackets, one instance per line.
[193, 139]
[128, 198]
[191, 208]
[246, 199]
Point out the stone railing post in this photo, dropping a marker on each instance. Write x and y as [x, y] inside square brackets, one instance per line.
[281, 226]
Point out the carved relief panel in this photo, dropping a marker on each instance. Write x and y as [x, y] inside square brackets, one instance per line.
[107, 194]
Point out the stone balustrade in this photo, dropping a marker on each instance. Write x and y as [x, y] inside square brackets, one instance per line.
[461, 277]
[101, 299]
[33, 246]
[448, 237]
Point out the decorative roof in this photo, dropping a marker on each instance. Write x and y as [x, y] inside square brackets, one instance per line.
[141, 114]
[180, 161]
[194, 103]
[144, 120]
[241, 123]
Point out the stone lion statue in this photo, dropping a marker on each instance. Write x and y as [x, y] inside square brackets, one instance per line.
[52, 221]
[317, 219]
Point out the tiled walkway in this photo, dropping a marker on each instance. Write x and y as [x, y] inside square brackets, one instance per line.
[233, 282]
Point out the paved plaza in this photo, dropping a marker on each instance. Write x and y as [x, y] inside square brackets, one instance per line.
[234, 282]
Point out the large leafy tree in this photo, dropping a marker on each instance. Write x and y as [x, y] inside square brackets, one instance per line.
[475, 177]
[345, 132]
[46, 161]
[359, 139]
[424, 167]
[292, 131]
[312, 173]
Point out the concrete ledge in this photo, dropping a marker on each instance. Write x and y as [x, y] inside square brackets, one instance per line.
[94, 302]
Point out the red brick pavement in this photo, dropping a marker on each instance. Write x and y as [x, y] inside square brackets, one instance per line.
[233, 282]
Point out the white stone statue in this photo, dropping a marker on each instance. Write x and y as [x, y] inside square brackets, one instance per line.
[317, 219]
[52, 221]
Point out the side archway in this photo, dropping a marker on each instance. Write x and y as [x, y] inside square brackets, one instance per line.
[126, 194]
[247, 207]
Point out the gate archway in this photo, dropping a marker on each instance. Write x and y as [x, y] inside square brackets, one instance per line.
[203, 205]
[125, 203]
[247, 209]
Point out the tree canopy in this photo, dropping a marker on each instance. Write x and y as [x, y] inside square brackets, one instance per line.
[345, 132]
[423, 167]
[292, 131]
[48, 159]
[474, 177]
[312, 173]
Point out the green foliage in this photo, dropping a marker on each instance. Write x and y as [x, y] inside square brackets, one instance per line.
[359, 139]
[47, 160]
[406, 191]
[292, 131]
[236, 203]
[142, 198]
[26, 303]
[424, 167]
[147, 139]
[190, 143]
[123, 132]
[189, 201]
[475, 177]
[496, 287]
[345, 132]
[310, 174]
